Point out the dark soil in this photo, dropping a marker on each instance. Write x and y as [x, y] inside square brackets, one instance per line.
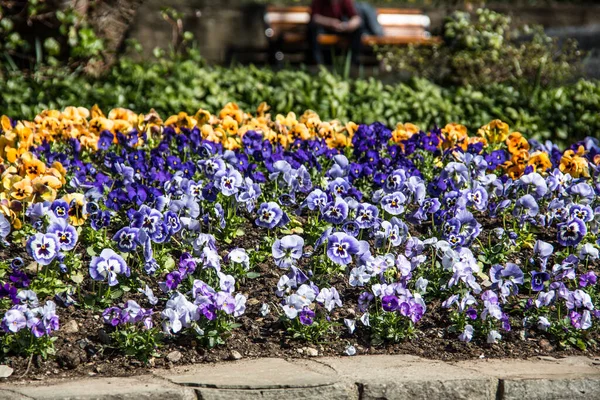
[88, 352]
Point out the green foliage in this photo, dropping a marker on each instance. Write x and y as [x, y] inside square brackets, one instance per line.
[171, 85]
[25, 343]
[312, 333]
[213, 333]
[36, 33]
[390, 327]
[138, 343]
[487, 48]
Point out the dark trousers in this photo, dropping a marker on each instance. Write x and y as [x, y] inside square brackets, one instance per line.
[316, 51]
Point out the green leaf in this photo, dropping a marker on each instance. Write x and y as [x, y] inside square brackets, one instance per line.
[169, 263]
[252, 275]
[90, 251]
[77, 278]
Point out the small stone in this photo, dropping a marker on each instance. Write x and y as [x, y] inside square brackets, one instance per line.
[311, 352]
[5, 371]
[252, 301]
[70, 327]
[547, 358]
[103, 336]
[546, 345]
[69, 359]
[152, 362]
[174, 356]
[300, 351]
[32, 268]
[235, 355]
[91, 373]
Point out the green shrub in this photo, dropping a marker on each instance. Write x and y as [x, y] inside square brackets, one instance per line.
[170, 86]
[36, 33]
[487, 48]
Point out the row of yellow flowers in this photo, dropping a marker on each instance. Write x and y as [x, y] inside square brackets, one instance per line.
[26, 179]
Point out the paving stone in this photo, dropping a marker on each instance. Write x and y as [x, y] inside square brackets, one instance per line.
[10, 395]
[434, 389]
[360, 377]
[265, 373]
[563, 368]
[409, 377]
[336, 391]
[106, 389]
[550, 389]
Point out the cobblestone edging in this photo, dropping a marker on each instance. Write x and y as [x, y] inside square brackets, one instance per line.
[361, 377]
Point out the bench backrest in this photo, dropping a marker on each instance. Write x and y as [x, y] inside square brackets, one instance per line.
[395, 22]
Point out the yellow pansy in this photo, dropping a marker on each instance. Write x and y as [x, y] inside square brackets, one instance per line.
[574, 163]
[495, 132]
[540, 161]
[76, 203]
[31, 166]
[516, 143]
[230, 125]
[22, 190]
[232, 110]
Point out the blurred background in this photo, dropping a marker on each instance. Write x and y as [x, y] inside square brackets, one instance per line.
[533, 63]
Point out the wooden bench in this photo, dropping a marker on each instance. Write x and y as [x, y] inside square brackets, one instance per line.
[286, 30]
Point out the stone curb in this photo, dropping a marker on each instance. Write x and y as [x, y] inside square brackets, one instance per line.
[357, 378]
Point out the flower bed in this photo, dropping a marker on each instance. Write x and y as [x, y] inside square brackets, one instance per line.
[261, 234]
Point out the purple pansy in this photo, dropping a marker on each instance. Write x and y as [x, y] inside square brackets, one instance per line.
[126, 239]
[66, 234]
[107, 266]
[287, 250]
[393, 203]
[366, 215]
[269, 215]
[389, 303]
[570, 233]
[341, 247]
[43, 247]
[335, 212]
[538, 280]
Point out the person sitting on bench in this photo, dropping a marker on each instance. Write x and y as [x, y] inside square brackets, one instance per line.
[337, 17]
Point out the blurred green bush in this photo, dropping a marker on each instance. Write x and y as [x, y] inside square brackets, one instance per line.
[46, 32]
[487, 47]
[173, 85]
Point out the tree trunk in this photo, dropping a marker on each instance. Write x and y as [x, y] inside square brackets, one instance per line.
[111, 20]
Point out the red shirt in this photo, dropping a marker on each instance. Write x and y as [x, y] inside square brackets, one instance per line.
[337, 9]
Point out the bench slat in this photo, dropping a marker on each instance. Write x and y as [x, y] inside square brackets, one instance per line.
[383, 10]
[302, 18]
[331, 40]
